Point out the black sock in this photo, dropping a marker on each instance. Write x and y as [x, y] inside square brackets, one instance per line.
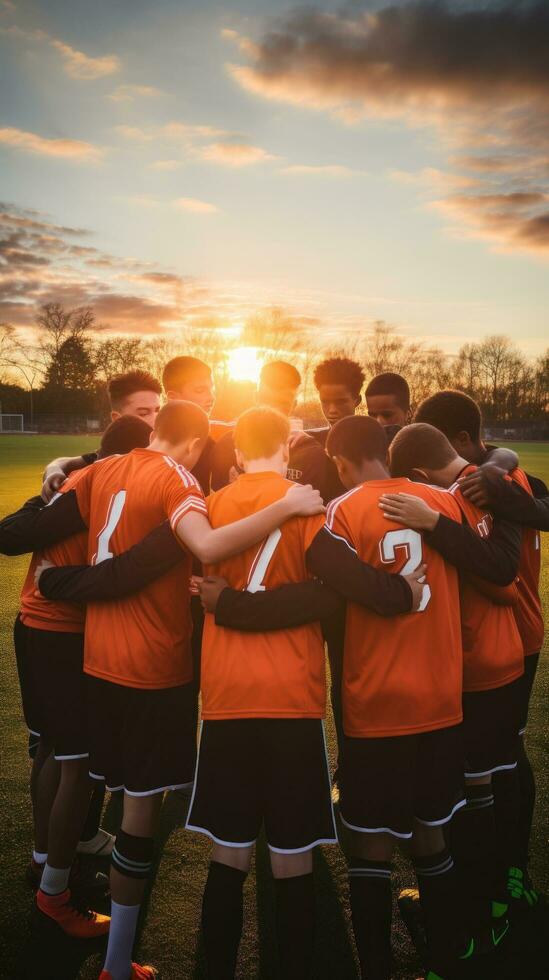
[437, 883]
[95, 809]
[507, 811]
[472, 843]
[222, 916]
[527, 789]
[371, 910]
[295, 916]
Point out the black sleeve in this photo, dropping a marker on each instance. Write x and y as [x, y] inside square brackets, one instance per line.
[337, 564]
[309, 463]
[36, 526]
[116, 577]
[510, 502]
[495, 559]
[222, 458]
[290, 605]
[90, 458]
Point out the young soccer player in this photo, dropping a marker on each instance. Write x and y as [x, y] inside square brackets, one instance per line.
[388, 399]
[339, 382]
[278, 388]
[49, 646]
[134, 393]
[492, 673]
[459, 417]
[141, 734]
[402, 770]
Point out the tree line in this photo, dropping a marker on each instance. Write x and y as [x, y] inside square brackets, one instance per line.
[62, 368]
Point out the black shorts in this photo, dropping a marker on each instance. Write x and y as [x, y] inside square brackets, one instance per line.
[141, 741]
[271, 771]
[490, 729]
[526, 685]
[386, 783]
[53, 691]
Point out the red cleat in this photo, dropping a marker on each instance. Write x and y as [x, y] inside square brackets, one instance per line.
[75, 921]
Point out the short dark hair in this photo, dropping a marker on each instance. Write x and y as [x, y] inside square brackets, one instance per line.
[419, 445]
[182, 420]
[259, 432]
[356, 438]
[182, 369]
[391, 384]
[121, 386]
[124, 434]
[452, 412]
[340, 371]
[280, 374]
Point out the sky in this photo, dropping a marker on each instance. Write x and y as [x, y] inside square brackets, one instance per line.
[176, 164]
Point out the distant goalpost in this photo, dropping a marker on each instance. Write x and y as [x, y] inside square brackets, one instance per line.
[11, 423]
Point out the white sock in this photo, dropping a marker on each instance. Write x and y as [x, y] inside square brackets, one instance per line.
[54, 880]
[39, 857]
[121, 939]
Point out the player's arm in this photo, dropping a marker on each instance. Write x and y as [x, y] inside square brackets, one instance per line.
[211, 545]
[500, 595]
[489, 486]
[495, 558]
[288, 606]
[58, 470]
[35, 526]
[333, 560]
[506, 459]
[157, 553]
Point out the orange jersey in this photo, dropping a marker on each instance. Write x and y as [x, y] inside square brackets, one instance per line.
[404, 674]
[528, 612]
[142, 640]
[262, 675]
[219, 429]
[44, 614]
[492, 648]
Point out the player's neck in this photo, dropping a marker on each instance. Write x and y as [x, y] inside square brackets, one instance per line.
[450, 473]
[272, 464]
[373, 469]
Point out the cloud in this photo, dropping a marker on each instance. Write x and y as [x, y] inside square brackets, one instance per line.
[235, 154]
[166, 165]
[67, 149]
[76, 64]
[129, 93]
[518, 220]
[432, 177]
[326, 170]
[194, 205]
[477, 74]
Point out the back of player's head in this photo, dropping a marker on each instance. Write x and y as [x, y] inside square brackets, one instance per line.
[390, 383]
[357, 438]
[340, 371]
[279, 374]
[122, 386]
[419, 446]
[179, 421]
[181, 370]
[124, 434]
[260, 432]
[452, 412]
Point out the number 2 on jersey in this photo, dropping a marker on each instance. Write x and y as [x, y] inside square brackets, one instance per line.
[413, 545]
[114, 514]
[262, 561]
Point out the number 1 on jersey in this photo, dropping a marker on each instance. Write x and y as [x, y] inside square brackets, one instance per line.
[262, 561]
[412, 543]
[116, 507]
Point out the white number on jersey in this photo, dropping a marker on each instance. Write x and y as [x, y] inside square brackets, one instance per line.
[412, 543]
[114, 514]
[262, 561]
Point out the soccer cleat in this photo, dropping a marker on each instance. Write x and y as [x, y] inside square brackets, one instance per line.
[82, 879]
[73, 919]
[411, 914]
[138, 973]
[100, 845]
[522, 894]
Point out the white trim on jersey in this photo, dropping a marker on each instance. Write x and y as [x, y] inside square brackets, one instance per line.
[69, 758]
[186, 476]
[334, 504]
[190, 503]
[439, 823]
[373, 830]
[489, 772]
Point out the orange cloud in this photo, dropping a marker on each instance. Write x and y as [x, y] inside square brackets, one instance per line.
[326, 170]
[235, 154]
[76, 64]
[129, 93]
[67, 149]
[194, 205]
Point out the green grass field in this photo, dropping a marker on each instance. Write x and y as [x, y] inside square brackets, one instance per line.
[170, 936]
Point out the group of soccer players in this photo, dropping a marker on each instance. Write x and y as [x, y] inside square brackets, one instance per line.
[190, 558]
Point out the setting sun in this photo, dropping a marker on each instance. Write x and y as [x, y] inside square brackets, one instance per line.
[244, 364]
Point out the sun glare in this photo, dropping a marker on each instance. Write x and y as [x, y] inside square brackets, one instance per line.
[244, 364]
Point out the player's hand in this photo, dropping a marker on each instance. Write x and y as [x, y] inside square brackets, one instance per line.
[477, 486]
[211, 588]
[298, 438]
[53, 480]
[405, 508]
[303, 500]
[416, 581]
[41, 567]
